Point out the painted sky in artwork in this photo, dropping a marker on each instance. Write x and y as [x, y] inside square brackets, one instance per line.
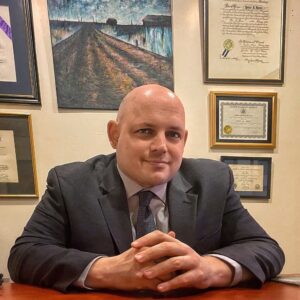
[125, 11]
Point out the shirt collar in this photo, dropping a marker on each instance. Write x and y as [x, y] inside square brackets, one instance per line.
[132, 187]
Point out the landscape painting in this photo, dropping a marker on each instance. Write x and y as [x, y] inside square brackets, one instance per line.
[104, 48]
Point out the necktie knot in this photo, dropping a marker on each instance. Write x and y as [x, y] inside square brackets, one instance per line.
[145, 197]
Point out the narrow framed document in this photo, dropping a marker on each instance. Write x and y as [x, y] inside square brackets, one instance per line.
[18, 69]
[244, 41]
[252, 175]
[17, 161]
[243, 120]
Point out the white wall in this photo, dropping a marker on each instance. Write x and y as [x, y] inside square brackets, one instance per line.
[67, 135]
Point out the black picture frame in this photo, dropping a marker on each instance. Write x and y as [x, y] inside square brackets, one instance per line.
[25, 89]
[235, 51]
[243, 119]
[252, 175]
[18, 177]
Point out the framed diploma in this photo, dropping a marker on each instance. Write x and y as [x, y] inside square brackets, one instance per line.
[244, 41]
[252, 175]
[17, 163]
[18, 70]
[243, 120]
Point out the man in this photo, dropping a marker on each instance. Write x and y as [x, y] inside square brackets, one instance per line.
[83, 232]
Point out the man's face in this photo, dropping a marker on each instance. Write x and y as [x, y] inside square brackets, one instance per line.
[151, 139]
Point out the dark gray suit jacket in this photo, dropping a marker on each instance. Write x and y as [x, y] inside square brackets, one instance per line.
[84, 214]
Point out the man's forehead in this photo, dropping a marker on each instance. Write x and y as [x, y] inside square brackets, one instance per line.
[151, 105]
[156, 105]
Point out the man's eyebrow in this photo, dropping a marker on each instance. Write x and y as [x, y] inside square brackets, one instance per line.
[147, 124]
[177, 128]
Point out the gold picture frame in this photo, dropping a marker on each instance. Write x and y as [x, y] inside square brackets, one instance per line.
[243, 119]
[18, 178]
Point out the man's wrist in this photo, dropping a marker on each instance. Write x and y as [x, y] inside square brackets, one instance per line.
[235, 266]
[81, 281]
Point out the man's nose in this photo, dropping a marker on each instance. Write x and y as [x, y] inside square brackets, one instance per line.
[159, 143]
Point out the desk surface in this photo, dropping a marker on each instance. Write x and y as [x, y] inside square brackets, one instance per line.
[271, 290]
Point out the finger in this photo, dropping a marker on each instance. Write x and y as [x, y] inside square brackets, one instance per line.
[161, 251]
[151, 239]
[168, 266]
[143, 283]
[185, 280]
[172, 234]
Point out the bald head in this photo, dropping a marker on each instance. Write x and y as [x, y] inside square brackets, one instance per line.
[148, 96]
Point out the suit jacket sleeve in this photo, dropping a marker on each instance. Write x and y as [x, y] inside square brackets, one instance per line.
[42, 255]
[245, 241]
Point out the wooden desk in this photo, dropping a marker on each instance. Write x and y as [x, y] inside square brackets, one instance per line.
[270, 291]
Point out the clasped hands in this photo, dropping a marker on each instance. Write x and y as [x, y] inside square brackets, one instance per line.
[159, 262]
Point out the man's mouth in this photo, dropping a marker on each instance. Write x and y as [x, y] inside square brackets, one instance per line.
[158, 162]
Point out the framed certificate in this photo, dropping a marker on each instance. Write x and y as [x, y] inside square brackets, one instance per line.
[252, 175]
[243, 120]
[244, 41]
[17, 163]
[18, 70]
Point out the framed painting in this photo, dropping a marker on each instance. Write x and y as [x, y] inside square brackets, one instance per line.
[18, 69]
[102, 49]
[17, 161]
[244, 41]
[252, 175]
[243, 120]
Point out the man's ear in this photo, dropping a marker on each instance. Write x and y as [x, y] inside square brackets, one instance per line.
[185, 136]
[113, 133]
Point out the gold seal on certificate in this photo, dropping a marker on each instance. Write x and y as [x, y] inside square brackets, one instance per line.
[257, 187]
[228, 45]
[227, 129]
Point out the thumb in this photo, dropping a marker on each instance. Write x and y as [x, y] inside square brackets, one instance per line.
[172, 234]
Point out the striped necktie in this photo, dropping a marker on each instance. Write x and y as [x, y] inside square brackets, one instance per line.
[145, 220]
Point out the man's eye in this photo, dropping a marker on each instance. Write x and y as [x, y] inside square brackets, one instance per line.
[174, 135]
[145, 131]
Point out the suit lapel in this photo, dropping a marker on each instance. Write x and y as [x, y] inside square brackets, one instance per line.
[114, 205]
[182, 204]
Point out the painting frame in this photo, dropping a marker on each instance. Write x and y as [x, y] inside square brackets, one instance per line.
[25, 88]
[252, 175]
[100, 56]
[243, 119]
[18, 177]
[244, 55]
